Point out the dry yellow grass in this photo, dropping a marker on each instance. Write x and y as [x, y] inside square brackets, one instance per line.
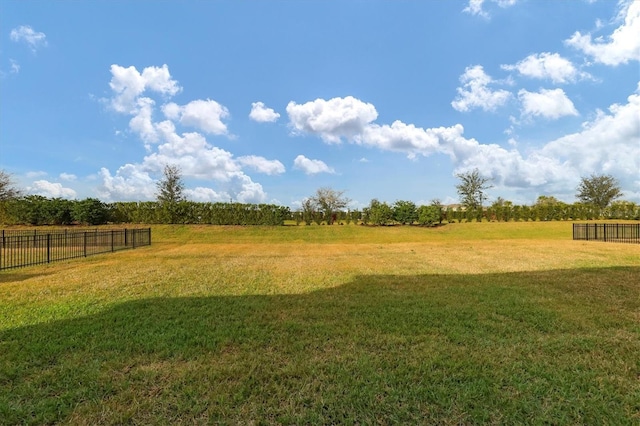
[293, 260]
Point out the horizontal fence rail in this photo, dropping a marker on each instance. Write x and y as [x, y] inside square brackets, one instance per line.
[608, 232]
[20, 248]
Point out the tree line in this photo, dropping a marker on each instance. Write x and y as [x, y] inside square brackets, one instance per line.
[598, 196]
[38, 210]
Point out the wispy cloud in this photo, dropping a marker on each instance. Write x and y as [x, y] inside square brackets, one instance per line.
[26, 34]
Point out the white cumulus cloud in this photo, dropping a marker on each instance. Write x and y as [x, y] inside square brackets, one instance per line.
[128, 84]
[131, 183]
[204, 195]
[551, 104]
[332, 120]
[262, 114]
[51, 189]
[476, 93]
[622, 46]
[609, 143]
[311, 167]
[262, 165]
[25, 33]
[205, 115]
[548, 66]
[401, 137]
[142, 121]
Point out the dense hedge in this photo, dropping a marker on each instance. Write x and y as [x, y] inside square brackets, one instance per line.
[38, 210]
[190, 212]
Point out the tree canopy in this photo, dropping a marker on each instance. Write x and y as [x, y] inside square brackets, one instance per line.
[599, 190]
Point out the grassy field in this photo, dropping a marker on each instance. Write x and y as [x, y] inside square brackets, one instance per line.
[491, 323]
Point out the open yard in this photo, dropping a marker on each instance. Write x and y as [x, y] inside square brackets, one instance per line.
[497, 323]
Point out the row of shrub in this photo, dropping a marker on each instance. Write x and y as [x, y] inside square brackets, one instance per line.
[38, 210]
[406, 212]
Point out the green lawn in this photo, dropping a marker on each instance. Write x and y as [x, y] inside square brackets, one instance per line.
[499, 323]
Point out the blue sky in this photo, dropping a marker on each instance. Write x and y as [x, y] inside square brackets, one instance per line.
[267, 101]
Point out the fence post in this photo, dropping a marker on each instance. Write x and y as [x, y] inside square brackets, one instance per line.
[126, 242]
[48, 247]
[133, 236]
[112, 240]
[85, 243]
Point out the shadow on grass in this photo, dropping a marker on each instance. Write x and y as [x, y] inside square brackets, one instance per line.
[555, 347]
[17, 275]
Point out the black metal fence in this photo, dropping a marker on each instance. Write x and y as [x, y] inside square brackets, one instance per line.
[20, 248]
[608, 232]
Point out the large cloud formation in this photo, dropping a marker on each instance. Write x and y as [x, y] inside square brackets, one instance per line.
[190, 151]
[609, 143]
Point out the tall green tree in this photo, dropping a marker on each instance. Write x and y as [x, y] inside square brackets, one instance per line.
[405, 212]
[598, 190]
[378, 213]
[308, 211]
[170, 192]
[171, 186]
[428, 215]
[472, 189]
[437, 203]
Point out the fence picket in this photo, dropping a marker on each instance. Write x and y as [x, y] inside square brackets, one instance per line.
[26, 248]
[607, 232]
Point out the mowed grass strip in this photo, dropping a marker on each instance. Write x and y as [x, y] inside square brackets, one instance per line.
[467, 323]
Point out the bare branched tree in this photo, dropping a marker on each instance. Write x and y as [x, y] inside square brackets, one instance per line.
[330, 201]
[472, 189]
[8, 191]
